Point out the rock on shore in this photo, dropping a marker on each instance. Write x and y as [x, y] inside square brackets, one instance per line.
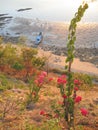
[84, 54]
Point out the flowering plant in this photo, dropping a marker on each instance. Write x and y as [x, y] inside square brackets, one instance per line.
[67, 84]
[35, 85]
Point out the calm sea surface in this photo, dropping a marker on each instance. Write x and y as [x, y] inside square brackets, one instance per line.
[50, 10]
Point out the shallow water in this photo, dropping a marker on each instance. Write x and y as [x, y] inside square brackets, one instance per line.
[54, 33]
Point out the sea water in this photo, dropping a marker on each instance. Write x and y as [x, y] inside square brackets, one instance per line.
[50, 10]
[40, 18]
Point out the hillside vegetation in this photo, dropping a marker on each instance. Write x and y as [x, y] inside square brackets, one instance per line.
[30, 97]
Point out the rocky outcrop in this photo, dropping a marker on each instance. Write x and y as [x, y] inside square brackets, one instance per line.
[84, 54]
[19, 10]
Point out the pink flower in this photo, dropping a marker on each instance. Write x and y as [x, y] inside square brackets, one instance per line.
[41, 76]
[64, 96]
[63, 76]
[78, 99]
[84, 111]
[76, 88]
[40, 80]
[44, 73]
[36, 81]
[42, 112]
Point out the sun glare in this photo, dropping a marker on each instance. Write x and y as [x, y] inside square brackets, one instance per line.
[88, 1]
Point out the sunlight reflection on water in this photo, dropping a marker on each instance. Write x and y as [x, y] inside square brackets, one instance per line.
[52, 10]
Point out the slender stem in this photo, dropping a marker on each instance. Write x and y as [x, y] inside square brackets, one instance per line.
[69, 110]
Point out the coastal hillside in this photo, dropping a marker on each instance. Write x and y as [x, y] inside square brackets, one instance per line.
[49, 65]
[26, 104]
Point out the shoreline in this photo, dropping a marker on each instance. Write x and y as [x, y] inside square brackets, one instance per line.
[85, 60]
[55, 37]
[84, 54]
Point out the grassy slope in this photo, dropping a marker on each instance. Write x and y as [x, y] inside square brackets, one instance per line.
[13, 96]
[19, 116]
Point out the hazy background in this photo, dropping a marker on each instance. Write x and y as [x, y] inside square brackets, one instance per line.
[50, 10]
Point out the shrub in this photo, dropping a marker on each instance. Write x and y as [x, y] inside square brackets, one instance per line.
[1, 40]
[48, 125]
[4, 83]
[38, 62]
[9, 83]
[17, 66]
[28, 54]
[8, 55]
[35, 85]
[14, 59]
[22, 40]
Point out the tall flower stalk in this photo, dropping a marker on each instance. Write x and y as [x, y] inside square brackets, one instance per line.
[70, 92]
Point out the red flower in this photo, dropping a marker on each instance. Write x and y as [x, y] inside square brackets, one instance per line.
[84, 111]
[64, 96]
[76, 88]
[41, 76]
[42, 112]
[56, 116]
[76, 82]
[64, 81]
[33, 93]
[78, 99]
[50, 79]
[60, 80]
